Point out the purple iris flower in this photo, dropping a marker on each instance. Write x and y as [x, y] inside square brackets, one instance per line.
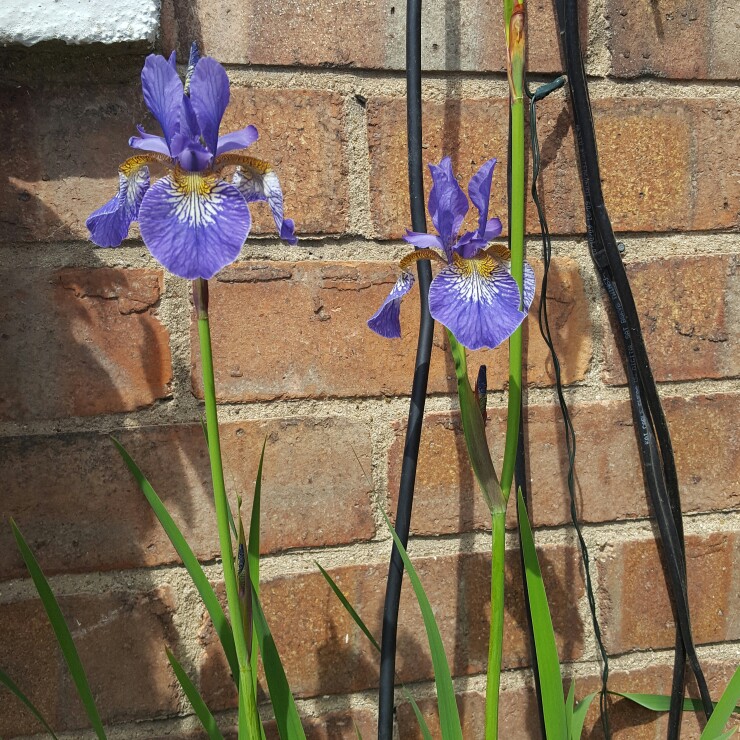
[192, 220]
[474, 295]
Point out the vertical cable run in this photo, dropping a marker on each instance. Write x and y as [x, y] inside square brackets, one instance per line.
[421, 376]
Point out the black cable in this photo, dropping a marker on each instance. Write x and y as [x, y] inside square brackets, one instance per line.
[653, 436]
[421, 377]
[570, 435]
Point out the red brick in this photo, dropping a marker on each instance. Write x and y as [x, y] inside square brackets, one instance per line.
[635, 598]
[323, 308]
[125, 629]
[657, 160]
[324, 653]
[705, 443]
[65, 490]
[681, 39]
[687, 308]
[302, 136]
[79, 342]
[517, 716]
[364, 34]
[629, 721]
[62, 157]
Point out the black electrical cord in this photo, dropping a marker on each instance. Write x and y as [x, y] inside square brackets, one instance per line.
[653, 436]
[421, 376]
[570, 435]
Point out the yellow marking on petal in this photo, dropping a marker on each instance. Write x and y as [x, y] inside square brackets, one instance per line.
[477, 266]
[421, 254]
[194, 183]
[239, 160]
[133, 164]
[499, 252]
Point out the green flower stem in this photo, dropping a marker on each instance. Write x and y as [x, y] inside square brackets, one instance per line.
[496, 633]
[200, 297]
[516, 231]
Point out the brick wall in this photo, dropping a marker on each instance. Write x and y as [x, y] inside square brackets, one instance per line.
[101, 341]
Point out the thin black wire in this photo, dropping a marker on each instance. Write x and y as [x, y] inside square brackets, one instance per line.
[653, 436]
[421, 377]
[570, 434]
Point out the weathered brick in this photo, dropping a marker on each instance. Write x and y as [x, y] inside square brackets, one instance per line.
[517, 716]
[121, 628]
[324, 653]
[62, 157]
[635, 600]
[630, 721]
[705, 443]
[657, 160]
[364, 34]
[687, 308]
[324, 307]
[682, 39]
[79, 342]
[65, 490]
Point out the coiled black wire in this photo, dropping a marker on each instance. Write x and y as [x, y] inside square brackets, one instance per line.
[421, 376]
[653, 437]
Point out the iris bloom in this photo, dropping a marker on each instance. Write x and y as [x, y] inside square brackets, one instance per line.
[474, 295]
[192, 220]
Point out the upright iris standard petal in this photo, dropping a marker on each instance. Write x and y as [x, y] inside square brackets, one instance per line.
[240, 139]
[109, 225]
[209, 93]
[477, 300]
[448, 204]
[194, 224]
[149, 142]
[479, 189]
[386, 321]
[162, 93]
[256, 180]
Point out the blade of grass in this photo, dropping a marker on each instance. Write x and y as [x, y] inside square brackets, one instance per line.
[449, 718]
[661, 702]
[13, 687]
[286, 714]
[220, 623]
[196, 700]
[61, 631]
[569, 706]
[426, 734]
[579, 716]
[548, 664]
[723, 709]
[253, 548]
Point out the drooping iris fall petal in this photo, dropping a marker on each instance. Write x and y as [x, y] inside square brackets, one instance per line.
[193, 224]
[386, 320]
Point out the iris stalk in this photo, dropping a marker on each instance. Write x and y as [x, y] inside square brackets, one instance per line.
[514, 19]
[247, 702]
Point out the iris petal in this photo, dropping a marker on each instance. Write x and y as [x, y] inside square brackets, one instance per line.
[529, 286]
[237, 140]
[149, 142]
[162, 93]
[478, 301]
[386, 321]
[423, 241]
[448, 204]
[109, 225]
[209, 93]
[256, 180]
[193, 224]
[479, 189]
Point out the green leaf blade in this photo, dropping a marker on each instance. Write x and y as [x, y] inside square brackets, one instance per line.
[200, 581]
[283, 704]
[548, 663]
[723, 709]
[449, 717]
[196, 700]
[61, 632]
[15, 689]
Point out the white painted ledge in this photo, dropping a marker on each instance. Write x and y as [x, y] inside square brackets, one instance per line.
[29, 22]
